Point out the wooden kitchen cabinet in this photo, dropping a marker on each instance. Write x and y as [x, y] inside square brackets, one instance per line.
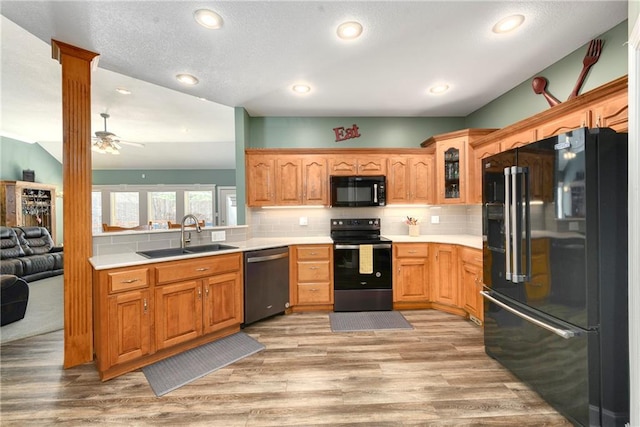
[444, 273]
[223, 301]
[178, 313]
[288, 181]
[564, 123]
[145, 314]
[315, 181]
[261, 180]
[612, 112]
[410, 179]
[411, 275]
[196, 297]
[475, 168]
[451, 164]
[311, 277]
[123, 316]
[471, 283]
[358, 165]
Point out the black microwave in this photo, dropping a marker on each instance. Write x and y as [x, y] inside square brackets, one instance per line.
[358, 191]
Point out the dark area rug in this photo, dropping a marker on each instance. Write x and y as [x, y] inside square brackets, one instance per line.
[169, 374]
[368, 321]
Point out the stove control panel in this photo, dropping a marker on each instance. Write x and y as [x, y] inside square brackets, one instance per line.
[355, 224]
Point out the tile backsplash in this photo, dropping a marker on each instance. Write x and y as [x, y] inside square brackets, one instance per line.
[279, 222]
[296, 222]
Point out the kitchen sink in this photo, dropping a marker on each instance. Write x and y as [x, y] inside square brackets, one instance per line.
[161, 253]
[208, 248]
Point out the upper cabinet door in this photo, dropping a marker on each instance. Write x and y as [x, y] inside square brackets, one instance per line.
[410, 179]
[315, 181]
[261, 180]
[289, 181]
[451, 161]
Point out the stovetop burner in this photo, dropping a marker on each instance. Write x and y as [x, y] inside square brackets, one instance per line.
[356, 230]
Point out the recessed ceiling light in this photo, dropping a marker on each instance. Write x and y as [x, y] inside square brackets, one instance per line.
[349, 30]
[507, 24]
[208, 18]
[123, 91]
[438, 89]
[187, 79]
[301, 88]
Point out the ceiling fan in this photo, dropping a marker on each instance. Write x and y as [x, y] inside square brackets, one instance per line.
[108, 142]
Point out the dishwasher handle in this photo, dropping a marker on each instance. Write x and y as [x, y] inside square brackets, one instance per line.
[268, 257]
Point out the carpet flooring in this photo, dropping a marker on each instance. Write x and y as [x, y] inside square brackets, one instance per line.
[45, 312]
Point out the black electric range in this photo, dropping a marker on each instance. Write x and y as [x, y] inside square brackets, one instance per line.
[362, 265]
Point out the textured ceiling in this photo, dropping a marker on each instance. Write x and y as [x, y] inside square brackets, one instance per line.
[264, 48]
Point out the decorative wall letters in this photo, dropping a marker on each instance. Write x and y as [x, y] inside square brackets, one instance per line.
[343, 134]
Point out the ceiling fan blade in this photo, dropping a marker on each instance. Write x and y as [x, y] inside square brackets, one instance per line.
[133, 144]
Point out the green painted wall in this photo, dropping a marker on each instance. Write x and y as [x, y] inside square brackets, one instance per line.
[521, 102]
[160, 176]
[307, 132]
[17, 155]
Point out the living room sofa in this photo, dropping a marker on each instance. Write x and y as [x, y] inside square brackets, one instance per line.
[29, 253]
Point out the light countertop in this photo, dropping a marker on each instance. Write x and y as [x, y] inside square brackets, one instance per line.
[103, 262]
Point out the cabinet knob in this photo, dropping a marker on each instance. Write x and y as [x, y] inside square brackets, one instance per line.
[145, 305]
[202, 269]
[313, 268]
[412, 252]
[199, 293]
[129, 281]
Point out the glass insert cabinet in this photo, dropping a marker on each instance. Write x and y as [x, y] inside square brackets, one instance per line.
[454, 164]
[451, 171]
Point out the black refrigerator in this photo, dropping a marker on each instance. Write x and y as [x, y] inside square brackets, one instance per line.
[555, 271]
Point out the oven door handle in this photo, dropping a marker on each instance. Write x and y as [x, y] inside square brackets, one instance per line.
[375, 246]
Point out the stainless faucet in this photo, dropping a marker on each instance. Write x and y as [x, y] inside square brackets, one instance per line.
[183, 241]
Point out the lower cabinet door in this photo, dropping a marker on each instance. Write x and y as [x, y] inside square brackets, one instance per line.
[178, 313]
[129, 326]
[222, 301]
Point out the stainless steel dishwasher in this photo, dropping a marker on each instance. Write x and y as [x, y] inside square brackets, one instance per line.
[266, 283]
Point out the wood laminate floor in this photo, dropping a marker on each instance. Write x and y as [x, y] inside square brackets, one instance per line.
[434, 375]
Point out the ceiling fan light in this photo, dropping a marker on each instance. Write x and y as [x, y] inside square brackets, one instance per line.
[208, 18]
[187, 79]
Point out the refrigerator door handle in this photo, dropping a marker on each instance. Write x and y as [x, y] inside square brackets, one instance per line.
[507, 224]
[522, 273]
[515, 252]
[564, 333]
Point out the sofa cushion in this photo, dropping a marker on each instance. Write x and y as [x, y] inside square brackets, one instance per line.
[12, 266]
[14, 295]
[34, 240]
[9, 244]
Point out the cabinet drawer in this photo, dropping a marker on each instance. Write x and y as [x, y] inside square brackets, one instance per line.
[202, 267]
[314, 293]
[314, 252]
[471, 256]
[120, 281]
[412, 250]
[313, 271]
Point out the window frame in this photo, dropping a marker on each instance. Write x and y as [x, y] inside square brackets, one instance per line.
[143, 191]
